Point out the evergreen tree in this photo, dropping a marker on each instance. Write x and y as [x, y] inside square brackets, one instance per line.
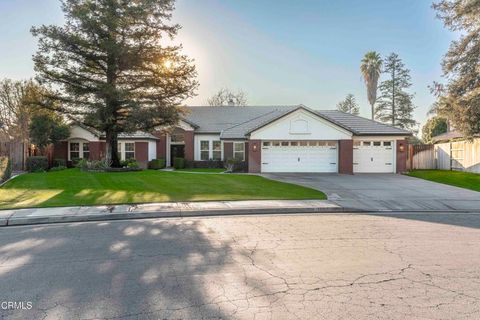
[111, 66]
[395, 105]
[349, 105]
[459, 101]
[433, 127]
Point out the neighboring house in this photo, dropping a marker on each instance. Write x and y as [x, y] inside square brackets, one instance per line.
[451, 151]
[266, 139]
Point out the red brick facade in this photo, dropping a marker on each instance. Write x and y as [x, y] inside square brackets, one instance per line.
[254, 156]
[345, 156]
[401, 156]
[189, 146]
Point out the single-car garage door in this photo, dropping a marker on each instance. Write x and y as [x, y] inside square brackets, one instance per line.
[373, 156]
[299, 156]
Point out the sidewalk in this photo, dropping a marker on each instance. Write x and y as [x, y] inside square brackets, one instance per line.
[164, 210]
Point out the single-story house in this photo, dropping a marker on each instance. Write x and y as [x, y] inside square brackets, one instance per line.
[265, 139]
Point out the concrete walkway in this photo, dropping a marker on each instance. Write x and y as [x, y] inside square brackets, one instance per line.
[162, 210]
[386, 192]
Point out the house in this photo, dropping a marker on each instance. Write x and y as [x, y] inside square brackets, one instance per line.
[452, 151]
[265, 139]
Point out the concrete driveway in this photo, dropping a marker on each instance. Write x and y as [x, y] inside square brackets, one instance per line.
[385, 191]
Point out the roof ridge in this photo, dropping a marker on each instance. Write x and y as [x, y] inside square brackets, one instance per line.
[249, 120]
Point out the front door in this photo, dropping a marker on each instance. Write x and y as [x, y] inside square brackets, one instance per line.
[176, 151]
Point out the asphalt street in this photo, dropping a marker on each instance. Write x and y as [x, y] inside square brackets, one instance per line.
[305, 266]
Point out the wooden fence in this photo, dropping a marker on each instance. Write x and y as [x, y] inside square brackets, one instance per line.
[458, 155]
[15, 151]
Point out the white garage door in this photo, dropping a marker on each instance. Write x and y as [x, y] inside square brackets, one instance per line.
[373, 156]
[299, 156]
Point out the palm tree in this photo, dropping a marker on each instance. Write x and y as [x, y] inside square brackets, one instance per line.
[371, 68]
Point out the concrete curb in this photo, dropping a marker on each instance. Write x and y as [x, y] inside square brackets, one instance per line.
[165, 210]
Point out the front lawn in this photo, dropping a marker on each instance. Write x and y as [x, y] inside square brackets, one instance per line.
[204, 170]
[460, 179]
[74, 187]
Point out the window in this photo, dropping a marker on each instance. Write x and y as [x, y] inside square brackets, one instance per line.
[294, 143]
[312, 143]
[303, 143]
[266, 144]
[331, 143]
[178, 138]
[74, 150]
[387, 143]
[366, 143]
[322, 143]
[356, 143]
[239, 151]
[284, 143]
[217, 150]
[377, 143]
[86, 150]
[276, 143]
[204, 150]
[129, 150]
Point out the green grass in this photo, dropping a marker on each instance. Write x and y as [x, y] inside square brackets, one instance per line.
[203, 170]
[460, 179]
[74, 187]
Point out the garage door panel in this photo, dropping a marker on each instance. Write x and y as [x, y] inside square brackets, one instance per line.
[370, 157]
[299, 158]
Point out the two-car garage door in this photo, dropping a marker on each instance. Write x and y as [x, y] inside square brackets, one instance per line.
[299, 156]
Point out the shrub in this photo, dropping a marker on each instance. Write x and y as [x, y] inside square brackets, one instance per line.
[57, 168]
[59, 163]
[156, 164]
[178, 163]
[93, 165]
[129, 163]
[234, 165]
[37, 164]
[5, 169]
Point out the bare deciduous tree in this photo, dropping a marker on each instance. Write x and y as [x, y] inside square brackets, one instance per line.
[226, 97]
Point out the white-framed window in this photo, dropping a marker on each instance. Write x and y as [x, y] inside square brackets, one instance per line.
[74, 150]
[217, 150]
[78, 150]
[204, 150]
[86, 150]
[239, 151]
[126, 150]
[129, 150]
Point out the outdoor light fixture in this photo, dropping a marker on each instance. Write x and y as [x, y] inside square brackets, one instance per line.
[254, 147]
[401, 147]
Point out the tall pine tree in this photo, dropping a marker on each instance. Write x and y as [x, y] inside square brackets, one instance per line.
[111, 67]
[459, 102]
[349, 105]
[395, 105]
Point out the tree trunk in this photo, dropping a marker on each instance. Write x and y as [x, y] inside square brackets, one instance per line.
[373, 111]
[112, 148]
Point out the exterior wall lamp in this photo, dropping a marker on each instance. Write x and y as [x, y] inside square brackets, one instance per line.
[401, 147]
[254, 147]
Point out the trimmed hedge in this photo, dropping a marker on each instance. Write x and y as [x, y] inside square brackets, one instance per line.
[59, 163]
[37, 164]
[5, 169]
[156, 164]
[178, 163]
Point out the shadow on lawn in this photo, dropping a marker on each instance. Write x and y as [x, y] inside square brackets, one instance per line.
[135, 269]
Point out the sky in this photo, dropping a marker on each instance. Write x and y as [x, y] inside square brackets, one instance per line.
[279, 52]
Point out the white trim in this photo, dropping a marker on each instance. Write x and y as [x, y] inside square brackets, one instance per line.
[318, 128]
[207, 137]
[233, 149]
[122, 151]
[80, 148]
